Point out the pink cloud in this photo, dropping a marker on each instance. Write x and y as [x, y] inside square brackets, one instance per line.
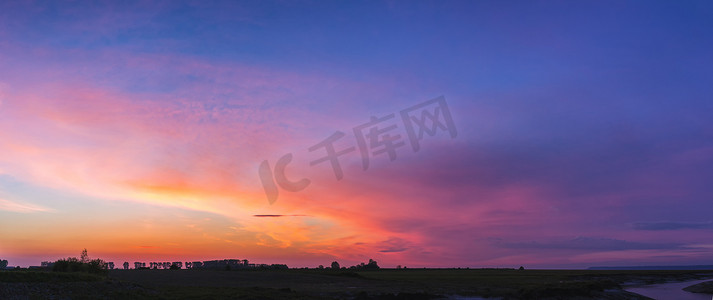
[20, 207]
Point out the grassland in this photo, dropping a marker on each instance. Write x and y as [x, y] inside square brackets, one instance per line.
[328, 284]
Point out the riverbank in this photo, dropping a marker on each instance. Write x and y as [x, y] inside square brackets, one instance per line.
[703, 288]
[670, 290]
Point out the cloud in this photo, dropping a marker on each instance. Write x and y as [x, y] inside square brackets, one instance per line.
[133, 119]
[278, 216]
[672, 225]
[393, 250]
[394, 244]
[588, 243]
[21, 207]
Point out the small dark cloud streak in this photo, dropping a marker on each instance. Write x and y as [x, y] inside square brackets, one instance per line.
[278, 216]
[394, 245]
[393, 250]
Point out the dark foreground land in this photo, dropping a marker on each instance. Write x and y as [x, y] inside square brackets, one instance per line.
[328, 284]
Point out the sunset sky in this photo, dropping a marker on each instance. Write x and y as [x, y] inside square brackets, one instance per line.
[581, 134]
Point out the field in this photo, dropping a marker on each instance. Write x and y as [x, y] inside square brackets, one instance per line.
[327, 284]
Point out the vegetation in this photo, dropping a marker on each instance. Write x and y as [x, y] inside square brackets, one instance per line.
[402, 283]
[372, 265]
[328, 284]
[82, 264]
[3, 264]
[44, 276]
[363, 281]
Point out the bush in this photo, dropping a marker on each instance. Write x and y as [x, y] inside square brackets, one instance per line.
[72, 264]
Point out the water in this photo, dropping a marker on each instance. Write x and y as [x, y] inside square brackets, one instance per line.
[671, 290]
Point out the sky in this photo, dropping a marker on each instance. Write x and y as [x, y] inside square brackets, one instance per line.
[544, 134]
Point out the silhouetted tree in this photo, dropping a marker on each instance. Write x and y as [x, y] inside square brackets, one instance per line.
[3, 264]
[279, 266]
[82, 264]
[126, 265]
[372, 265]
[97, 264]
[84, 257]
[521, 268]
[335, 265]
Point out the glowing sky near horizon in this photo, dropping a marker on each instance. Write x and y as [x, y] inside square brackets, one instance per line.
[135, 130]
